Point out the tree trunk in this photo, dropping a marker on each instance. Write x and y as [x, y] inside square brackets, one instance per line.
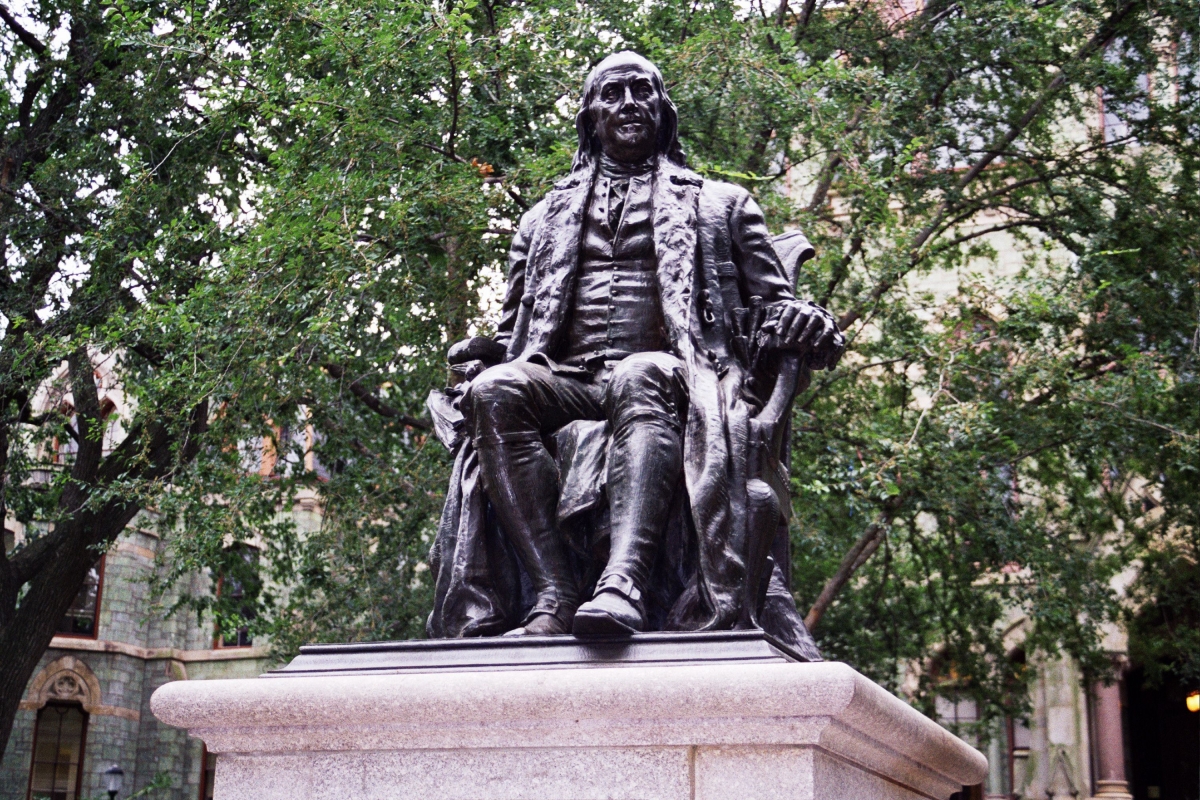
[51, 592]
[56, 564]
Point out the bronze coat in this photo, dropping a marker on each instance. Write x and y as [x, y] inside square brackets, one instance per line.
[713, 249]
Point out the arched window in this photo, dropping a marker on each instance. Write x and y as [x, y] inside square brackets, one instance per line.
[58, 739]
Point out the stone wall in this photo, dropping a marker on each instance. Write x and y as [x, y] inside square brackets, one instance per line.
[138, 648]
[1052, 757]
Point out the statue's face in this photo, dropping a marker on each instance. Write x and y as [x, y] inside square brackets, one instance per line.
[626, 112]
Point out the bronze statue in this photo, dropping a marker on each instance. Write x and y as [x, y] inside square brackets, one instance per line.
[619, 444]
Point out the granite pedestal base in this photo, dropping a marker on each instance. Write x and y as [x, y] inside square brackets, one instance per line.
[727, 716]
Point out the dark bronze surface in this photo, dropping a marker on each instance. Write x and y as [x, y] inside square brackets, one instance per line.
[622, 467]
[537, 652]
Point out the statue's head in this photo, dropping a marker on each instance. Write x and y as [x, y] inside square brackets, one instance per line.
[626, 113]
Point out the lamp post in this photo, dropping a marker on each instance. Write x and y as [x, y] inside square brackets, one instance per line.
[114, 776]
[1193, 705]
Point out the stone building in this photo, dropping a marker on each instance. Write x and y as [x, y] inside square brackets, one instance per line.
[88, 705]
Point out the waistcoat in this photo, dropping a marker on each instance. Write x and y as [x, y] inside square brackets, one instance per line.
[616, 304]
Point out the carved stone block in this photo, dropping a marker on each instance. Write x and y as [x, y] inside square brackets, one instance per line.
[764, 726]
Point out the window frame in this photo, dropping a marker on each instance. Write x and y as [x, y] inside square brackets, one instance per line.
[83, 732]
[95, 634]
[219, 640]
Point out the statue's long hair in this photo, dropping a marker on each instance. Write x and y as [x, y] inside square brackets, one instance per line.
[668, 131]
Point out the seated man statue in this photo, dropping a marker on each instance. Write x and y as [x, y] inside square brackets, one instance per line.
[652, 302]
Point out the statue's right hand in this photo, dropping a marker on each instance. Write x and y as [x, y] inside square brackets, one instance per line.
[477, 348]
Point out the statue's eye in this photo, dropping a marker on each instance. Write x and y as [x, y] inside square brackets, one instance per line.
[610, 93]
[642, 91]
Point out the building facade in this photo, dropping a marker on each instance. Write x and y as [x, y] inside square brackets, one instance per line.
[87, 707]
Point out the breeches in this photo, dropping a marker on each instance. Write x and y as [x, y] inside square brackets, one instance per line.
[509, 409]
[523, 401]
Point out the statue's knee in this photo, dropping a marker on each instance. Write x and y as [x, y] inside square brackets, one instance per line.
[493, 394]
[648, 380]
[642, 372]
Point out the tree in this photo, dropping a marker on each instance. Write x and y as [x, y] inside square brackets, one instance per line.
[105, 161]
[1013, 446]
[991, 449]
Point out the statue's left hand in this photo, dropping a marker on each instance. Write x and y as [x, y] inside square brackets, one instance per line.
[809, 329]
[477, 348]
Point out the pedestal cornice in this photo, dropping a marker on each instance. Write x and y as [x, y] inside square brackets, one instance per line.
[706, 710]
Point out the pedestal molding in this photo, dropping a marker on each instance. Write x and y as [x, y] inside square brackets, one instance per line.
[824, 707]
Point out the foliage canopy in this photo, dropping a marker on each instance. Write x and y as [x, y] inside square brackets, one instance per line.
[277, 216]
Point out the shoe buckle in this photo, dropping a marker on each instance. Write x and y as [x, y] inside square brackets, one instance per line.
[621, 584]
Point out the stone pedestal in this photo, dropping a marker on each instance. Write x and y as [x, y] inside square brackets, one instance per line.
[664, 716]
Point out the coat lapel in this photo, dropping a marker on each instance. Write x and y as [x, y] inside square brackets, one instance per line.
[675, 193]
[555, 260]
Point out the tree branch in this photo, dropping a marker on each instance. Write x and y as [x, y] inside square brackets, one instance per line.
[494, 178]
[841, 270]
[1021, 223]
[90, 440]
[1101, 39]
[863, 549]
[806, 12]
[24, 35]
[33, 85]
[855, 558]
[453, 101]
[829, 170]
[371, 400]
[781, 13]
[47, 210]
[8, 594]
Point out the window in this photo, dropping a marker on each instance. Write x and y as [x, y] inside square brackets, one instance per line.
[112, 429]
[235, 591]
[291, 445]
[65, 448]
[208, 773]
[1117, 118]
[955, 711]
[57, 753]
[237, 595]
[1122, 108]
[951, 705]
[82, 618]
[1019, 741]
